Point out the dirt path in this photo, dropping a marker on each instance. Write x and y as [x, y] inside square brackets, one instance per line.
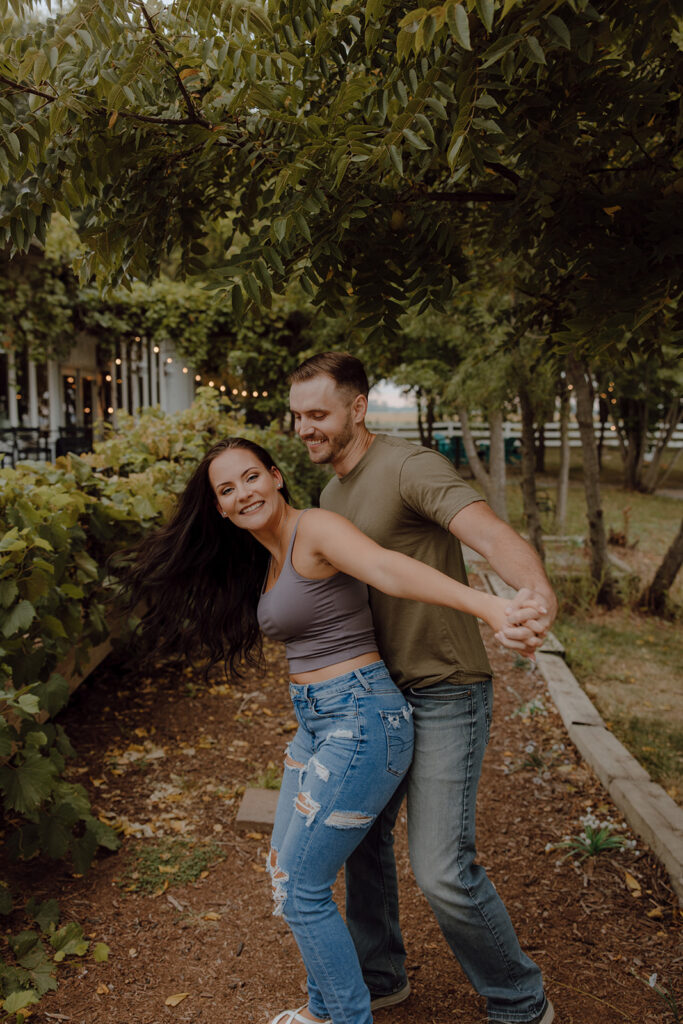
[166, 756]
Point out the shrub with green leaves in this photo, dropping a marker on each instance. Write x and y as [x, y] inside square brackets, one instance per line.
[59, 525]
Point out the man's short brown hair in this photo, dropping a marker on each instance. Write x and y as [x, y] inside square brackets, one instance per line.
[345, 370]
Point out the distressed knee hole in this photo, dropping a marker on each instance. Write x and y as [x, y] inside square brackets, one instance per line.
[349, 819]
[291, 763]
[306, 805]
[278, 878]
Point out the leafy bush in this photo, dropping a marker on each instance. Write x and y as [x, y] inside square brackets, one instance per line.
[61, 523]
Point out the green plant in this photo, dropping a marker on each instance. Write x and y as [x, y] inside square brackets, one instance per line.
[593, 841]
[667, 996]
[152, 866]
[29, 959]
[271, 778]
[530, 709]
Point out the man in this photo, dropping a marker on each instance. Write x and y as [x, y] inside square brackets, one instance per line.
[411, 499]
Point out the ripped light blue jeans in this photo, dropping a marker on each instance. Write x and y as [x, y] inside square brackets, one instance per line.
[351, 751]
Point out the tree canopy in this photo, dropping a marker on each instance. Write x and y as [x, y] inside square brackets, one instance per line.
[365, 149]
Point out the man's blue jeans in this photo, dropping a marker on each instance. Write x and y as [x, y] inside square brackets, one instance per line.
[451, 732]
[352, 749]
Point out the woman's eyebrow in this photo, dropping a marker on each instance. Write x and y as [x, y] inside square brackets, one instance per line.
[242, 475]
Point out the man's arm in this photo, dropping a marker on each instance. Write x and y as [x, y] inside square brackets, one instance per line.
[513, 559]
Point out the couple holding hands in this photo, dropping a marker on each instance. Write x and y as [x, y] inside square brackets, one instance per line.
[391, 687]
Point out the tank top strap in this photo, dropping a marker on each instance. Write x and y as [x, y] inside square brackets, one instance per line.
[288, 557]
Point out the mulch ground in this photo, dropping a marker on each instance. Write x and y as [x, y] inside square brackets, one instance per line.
[166, 756]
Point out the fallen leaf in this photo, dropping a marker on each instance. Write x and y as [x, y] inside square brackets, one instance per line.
[132, 952]
[177, 998]
[254, 835]
[212, 916]
[168, 869]
[633, 885]
[102, 989]
[655, 912]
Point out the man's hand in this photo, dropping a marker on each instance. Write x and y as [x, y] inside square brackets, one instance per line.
[528, 620]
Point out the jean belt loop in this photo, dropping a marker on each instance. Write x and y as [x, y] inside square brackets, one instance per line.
[358, 673]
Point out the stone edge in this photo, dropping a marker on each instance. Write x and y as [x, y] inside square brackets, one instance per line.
[648, 809]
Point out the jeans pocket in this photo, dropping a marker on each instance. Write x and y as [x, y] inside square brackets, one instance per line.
[398, 729]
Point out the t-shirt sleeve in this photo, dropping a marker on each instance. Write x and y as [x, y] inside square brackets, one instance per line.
[431, 487]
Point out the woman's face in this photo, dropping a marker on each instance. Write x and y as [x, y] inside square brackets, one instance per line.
[246, 492]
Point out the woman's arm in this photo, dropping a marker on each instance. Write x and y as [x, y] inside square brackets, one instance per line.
[336, 540]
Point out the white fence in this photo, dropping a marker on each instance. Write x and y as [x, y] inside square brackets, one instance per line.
[551, 433]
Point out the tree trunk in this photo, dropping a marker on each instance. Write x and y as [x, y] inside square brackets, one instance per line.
[655, 596]
[603, 413]
[430, 423]
[420, 418]
[563, 477]
[533, 520]
[540, 449]
[579, 375]
[476, 465]
[673, 417]
[497, 498]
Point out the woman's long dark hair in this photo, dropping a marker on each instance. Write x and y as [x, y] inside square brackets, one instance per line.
[200, 576]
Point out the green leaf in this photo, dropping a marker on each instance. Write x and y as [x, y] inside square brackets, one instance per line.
[101, 953]
[18, 619]
[9, 591]
[486, 10]
[560, 29]
[396, 159]
[414, 139]
[534, 49]
[46, 914]
[54, 694]
[26, 785]
[29, 703]
[459, 25]
[69, 940]
[18, 1000]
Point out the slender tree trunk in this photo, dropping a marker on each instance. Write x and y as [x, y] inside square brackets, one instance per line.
[497, 498]
[420, 419]
[655, 596]
[476, 465]
[673, 417]
[579, 375]
[540, 449]
[533, 520]
[430, 423]
[563, 477]
[603, 412]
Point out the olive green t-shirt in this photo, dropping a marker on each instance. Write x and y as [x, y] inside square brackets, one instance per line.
[404, 497]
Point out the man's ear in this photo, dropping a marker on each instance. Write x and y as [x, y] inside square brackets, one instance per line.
[359, 408]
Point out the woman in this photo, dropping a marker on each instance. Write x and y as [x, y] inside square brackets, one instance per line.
[238, 559]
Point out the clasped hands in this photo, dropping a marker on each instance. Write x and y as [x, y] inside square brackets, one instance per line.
[528, 617]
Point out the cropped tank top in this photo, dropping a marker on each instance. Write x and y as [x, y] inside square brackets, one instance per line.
[321, 622]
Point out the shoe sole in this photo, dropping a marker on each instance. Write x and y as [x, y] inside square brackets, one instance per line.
[393, 999]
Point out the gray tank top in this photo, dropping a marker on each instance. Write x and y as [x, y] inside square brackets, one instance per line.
[321, 622]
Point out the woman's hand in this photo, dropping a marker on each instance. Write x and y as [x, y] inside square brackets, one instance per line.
[517, 627]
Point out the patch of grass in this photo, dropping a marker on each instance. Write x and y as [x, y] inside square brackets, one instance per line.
[174, 861]
[271, 778]
[657, 745]
[629, 664]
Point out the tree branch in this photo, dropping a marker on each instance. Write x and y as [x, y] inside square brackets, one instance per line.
[195, 116]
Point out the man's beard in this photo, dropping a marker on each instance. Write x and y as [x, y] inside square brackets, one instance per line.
[333, 445]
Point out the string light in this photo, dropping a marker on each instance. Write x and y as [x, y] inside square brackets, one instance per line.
[70, 380]
[265, 394]
[110, 409]
[185, 370]
[87, 409]
[244, 394]
[156, 348]
[235, 391]
[169, 360]
[198, 378]
[108, 377]
[118, 362]
[222, 387]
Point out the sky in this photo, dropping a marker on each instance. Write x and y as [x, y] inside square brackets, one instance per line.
[386, 395]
